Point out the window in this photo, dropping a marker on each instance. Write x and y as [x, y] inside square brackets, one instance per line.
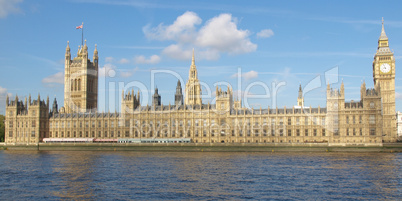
[93, 124]
[323, 132]
[10, 134]
[127, 134]
[297, 132]
[306, 132]
[127, 123]
[305, 120]
[99, 134]
[336, 132]
[86, 124]
[315, 132]
[347, 131]
[361, 132]
[347, 119]
[372, 105]
[80, 124]
[99, 124]
[112, 124]
[354, 132]
[323, 121]
[80, 133]
[86, 134]
[289, 121]
[372, 119]
[289, 132]
[372, 131]
[354, 119]
[105, 124]
[360, 119]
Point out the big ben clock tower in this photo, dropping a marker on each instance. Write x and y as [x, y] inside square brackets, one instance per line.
[384, 78]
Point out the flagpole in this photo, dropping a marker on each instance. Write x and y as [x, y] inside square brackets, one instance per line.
[82, 34]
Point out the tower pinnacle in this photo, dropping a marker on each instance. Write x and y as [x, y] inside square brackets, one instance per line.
[383, 36]
[193, 60]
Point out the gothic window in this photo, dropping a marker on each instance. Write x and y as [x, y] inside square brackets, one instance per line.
[372, 131]
[372, 119]
[371, 104]
[75, 85]
[72, 85]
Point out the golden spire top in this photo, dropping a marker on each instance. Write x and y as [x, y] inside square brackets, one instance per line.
[192, 59]
[383, 35]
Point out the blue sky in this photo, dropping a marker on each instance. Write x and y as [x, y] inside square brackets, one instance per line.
[276, 45]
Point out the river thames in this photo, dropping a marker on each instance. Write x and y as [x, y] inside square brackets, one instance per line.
[53, 175]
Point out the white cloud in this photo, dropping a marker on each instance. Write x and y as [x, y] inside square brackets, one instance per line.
[154, 59]
[9, 6]
[3, 91]
[128, 73]
[3, 95]
[107, 70]
[176, 52]
[249, 75]
[109, 59]
[265, 33]
[124, 61]
[398, 96]
[183, 29]
[219, 35]
[56, 78]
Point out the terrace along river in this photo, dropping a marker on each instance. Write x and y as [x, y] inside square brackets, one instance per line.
[42, 175]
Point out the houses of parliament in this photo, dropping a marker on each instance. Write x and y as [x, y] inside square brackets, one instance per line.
[368, 122]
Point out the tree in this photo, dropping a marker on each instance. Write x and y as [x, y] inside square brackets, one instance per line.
[2, 128]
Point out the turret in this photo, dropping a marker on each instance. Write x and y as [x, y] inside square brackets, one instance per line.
[300, 98]
[54, 108]
[156, 98]
[342, 89]
[178, 97]
[96, 55]
[47, 101]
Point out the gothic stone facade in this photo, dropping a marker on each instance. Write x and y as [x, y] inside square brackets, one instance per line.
[369, 121]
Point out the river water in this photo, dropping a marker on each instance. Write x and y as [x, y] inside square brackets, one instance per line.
[53, 175]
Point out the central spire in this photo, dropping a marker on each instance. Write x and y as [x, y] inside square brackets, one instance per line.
[193, 60]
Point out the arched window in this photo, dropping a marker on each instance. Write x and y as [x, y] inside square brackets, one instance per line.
[75, 85]
[79, 84]
[72, 85]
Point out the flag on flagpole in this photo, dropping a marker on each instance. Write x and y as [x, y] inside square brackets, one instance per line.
[80, 27]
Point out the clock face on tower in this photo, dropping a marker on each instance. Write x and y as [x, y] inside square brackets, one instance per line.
[385, 68]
